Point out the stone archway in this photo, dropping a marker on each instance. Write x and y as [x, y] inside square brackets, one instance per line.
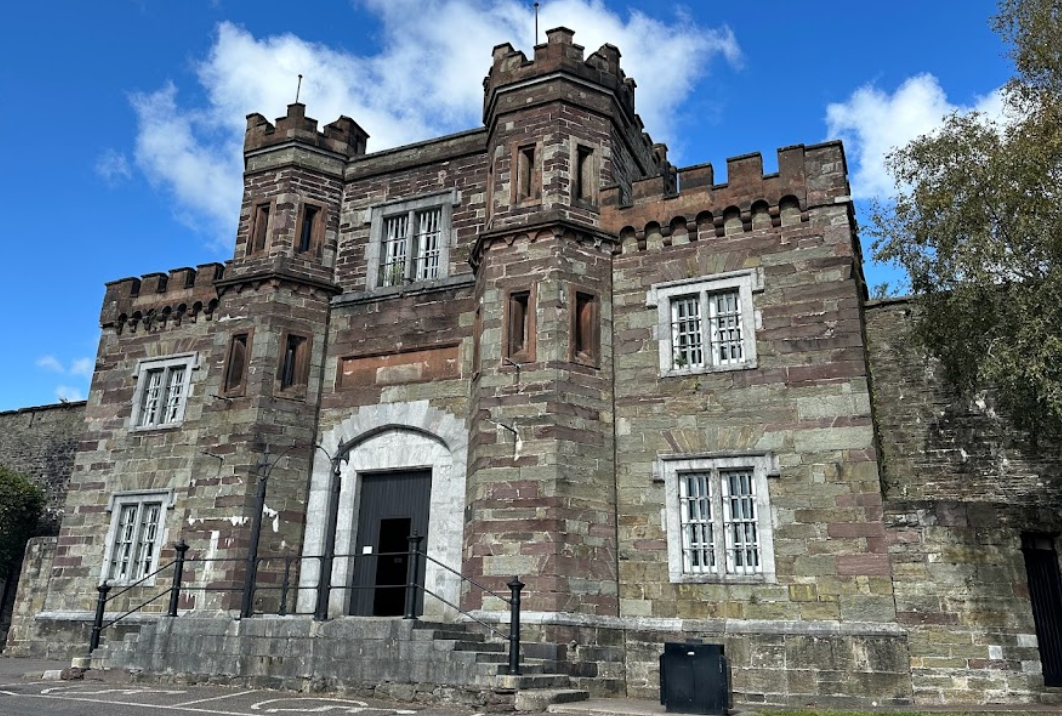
[389, 437]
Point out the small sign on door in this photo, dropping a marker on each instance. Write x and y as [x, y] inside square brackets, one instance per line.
[367, 549]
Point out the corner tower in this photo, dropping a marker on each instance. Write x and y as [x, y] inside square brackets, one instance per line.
[541, 501]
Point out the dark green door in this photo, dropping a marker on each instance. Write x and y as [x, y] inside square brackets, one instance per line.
[393, 506]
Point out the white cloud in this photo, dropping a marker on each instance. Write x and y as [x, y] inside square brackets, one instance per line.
[872, 122]
[83, 367]
[113, 166]
[50, 363]
[424, 81]
[68, 394]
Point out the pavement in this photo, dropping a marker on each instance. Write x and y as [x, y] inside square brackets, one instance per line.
[18, 671]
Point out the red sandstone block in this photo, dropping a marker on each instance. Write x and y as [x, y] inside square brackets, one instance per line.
[852, 565]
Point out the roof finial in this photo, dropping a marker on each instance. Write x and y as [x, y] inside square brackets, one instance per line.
[298, 89]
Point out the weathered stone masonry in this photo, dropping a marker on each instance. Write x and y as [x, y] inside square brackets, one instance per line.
[661, 400]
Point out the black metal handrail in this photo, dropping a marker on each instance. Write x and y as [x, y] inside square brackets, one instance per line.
[251, 585]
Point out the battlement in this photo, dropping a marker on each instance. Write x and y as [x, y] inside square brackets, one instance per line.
[342, 136]
[560, 54]
[164, 297]
[807, 177]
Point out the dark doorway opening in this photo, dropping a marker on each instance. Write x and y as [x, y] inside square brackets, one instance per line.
[393, 506]
[1045, 593]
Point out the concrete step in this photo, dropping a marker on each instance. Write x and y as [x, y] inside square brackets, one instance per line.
[533, 681]
[542, 699]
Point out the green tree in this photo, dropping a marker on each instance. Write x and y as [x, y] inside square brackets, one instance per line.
[21, 503]
[977, 226]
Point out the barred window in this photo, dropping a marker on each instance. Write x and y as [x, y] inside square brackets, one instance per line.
[719, 525]
[162, 391]
[706, 324]
[410, 241]
[136, 535]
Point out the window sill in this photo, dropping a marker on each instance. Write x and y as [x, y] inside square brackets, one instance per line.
[723, 579]
[707, 370]
[409, 289]
[156, 428]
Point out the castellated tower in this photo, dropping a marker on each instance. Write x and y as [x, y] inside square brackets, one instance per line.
[541, 493]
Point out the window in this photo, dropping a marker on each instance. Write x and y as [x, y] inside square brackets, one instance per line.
[294, 361]
[136, 534]
[526, 174]
[310, 228]
[707, 324]
[236, 364]
[718, 518]
[162, 391]
[410, 240]
[411, 247]
[585, 329]
[520, 327]
[259, 233]
[584, 175]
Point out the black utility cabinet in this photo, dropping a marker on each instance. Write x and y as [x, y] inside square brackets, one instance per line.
[694, 679]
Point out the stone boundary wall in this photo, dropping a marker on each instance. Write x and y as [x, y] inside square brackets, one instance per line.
[961, 486]
[39, 444]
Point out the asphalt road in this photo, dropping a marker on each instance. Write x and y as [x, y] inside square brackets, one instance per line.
[99, 698]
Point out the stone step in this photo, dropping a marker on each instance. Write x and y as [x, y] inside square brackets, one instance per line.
[530, 668]
[480, 646]
[533, 681]
[541, 699]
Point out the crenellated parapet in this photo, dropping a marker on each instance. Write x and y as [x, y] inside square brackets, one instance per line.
[342, 136]
[158, 300]
[559, 55]
[807, 177]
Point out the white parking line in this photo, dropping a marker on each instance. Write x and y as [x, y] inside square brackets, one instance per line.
[216, 698]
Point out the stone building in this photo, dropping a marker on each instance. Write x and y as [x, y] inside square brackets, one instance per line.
[660, 400]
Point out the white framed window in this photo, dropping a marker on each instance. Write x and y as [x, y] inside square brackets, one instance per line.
[410, 240]
[706, 324]
[162, 387]
[136, 534]
[718, 518]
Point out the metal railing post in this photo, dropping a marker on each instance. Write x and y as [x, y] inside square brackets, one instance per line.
[412, 570]
[178, 576]
[97, 622]
[514, 626]
[285, 587]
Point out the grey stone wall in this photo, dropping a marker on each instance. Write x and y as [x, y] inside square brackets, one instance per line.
[961, 486]
[39, 444]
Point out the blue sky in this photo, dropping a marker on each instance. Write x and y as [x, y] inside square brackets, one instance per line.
[123, 119]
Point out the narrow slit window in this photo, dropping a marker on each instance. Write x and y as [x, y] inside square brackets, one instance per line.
[584, 174]
[236, 367]
[519, 329]
[307, 229]
[261, 228]
[294, 364]
[526, 173]
[585, 329]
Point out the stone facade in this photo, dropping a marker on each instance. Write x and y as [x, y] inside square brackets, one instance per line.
[660, 400]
